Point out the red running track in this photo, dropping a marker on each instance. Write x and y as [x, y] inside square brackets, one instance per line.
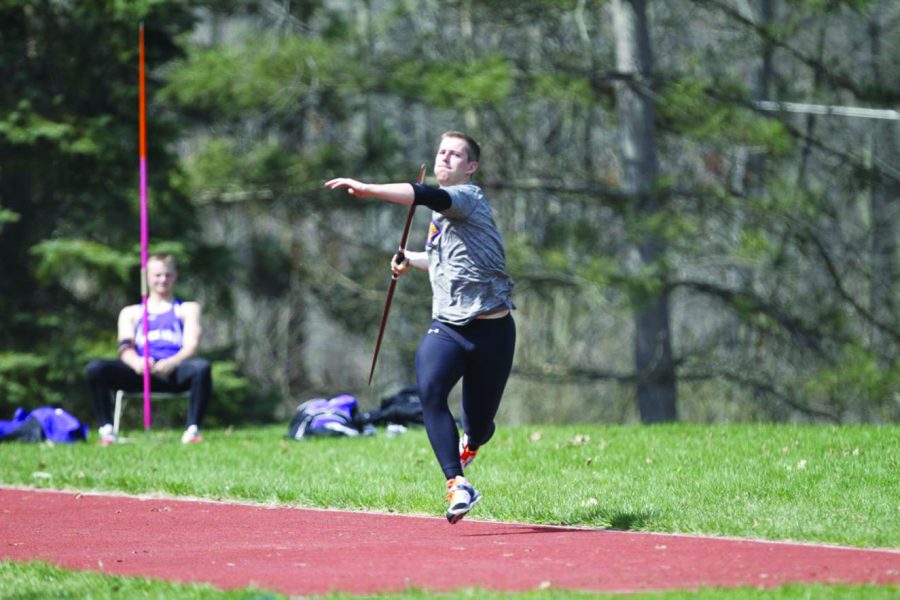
[303, 552]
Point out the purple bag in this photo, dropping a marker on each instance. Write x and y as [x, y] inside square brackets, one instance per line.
[46, 422]
[329, 417]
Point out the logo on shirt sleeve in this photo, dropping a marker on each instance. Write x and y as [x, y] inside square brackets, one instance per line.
[433, 233]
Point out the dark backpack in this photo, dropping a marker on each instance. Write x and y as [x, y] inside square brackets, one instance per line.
[401, 408]
[325, 417]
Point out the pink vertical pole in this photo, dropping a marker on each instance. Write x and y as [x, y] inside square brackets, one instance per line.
[144, 228]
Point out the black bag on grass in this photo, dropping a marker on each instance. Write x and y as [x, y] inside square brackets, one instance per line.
[402, 408]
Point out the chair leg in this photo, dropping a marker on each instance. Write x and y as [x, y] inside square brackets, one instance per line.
[117, 415]
[122, 397]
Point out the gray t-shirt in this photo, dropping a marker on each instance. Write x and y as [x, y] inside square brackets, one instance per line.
[466, 260]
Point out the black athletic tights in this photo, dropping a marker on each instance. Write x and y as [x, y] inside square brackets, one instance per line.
[481, 353]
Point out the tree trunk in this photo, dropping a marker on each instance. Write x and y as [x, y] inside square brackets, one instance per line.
[884, 209]
[756, 166]
[655, 369]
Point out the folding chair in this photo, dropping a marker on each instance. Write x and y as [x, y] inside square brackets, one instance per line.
[122, 396]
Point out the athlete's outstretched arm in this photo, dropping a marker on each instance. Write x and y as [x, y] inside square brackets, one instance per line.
[398, 193]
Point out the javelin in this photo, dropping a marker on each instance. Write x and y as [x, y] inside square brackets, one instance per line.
[144, 234]
[400, 256]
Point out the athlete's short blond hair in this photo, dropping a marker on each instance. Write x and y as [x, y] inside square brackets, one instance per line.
[473, 150]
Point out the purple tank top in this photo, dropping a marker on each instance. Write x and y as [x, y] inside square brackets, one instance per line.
[165, 332]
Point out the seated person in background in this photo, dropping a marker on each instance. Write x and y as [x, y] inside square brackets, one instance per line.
[174, 332]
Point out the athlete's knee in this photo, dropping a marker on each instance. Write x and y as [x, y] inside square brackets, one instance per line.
[94, 370]
[432, 395]
[198, 367]
[480, 435]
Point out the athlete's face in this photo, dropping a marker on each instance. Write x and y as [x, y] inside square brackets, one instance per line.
[161, 277]
[452, 165]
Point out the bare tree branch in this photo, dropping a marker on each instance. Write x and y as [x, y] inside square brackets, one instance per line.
[809, 336]
[763, 387]
[562, 374]
[838, 79]
[595, 190]
[842, 290]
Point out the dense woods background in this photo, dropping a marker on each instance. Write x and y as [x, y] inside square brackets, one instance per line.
[681, 251]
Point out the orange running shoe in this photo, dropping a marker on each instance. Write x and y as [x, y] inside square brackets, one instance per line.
[462, 497]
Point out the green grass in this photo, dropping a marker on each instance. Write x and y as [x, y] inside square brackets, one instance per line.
[804, 483]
